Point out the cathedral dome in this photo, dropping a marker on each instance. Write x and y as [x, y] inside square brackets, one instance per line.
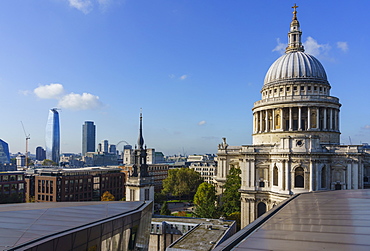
[296, 66]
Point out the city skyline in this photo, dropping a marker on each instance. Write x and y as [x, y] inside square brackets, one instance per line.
[183, 63]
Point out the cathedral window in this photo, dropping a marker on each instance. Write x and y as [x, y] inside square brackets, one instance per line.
[323, 177]
[261, 209]
[275, 178]
[302, 88]
[288, 89]
[299, 177]
[281, 89]
[309, 88]
[295, 88]
[262, 184]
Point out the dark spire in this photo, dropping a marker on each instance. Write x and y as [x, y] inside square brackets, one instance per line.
[140, 140]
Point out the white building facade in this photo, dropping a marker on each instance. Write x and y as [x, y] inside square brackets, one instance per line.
[296, 137]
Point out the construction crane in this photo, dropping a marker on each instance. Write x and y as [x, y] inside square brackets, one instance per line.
[27, 138]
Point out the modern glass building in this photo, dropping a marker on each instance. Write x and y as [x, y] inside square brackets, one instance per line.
[88, 137]
[4, 152]
[40, 153]
[52, 137]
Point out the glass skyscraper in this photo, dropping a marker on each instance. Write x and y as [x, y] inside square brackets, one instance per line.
[4, 152]
[52, 137]
[88, 137]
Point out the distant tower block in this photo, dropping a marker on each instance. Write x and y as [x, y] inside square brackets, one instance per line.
[88, 137]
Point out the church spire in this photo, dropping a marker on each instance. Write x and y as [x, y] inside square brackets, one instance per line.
[140, 140]
[295, 34]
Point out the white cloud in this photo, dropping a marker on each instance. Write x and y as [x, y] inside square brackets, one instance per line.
[25, 93]
[52, 91]
[343, 46]
[280, 47]
[312, 47]
[367, 127]
[202, 122]
[183, 77]
[75, 101]
[82, 5]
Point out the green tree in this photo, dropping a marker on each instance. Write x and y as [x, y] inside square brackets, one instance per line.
[181, 182]
[107, 196]
[164, 209]
[231, 195]
[48, 162]
[205, 201]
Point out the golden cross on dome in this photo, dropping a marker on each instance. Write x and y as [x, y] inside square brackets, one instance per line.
[295, 7]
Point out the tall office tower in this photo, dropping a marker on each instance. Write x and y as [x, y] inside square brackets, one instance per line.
[4, 152]
[88, 137]
[104, 145]
[40, 153]
[52, 137]
[112, 149]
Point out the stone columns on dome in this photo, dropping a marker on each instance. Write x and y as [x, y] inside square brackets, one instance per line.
[299, 118]
[282, 119]
[261, 121]
[317, 117]
[331, 119]
[266, 121]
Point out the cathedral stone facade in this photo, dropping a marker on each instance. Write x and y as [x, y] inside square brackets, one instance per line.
[296, 137]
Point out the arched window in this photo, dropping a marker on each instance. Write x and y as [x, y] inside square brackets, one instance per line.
[261, 184]
[275, 176]
[338, 186]
[299, 177]
[261, 209]
[323, 177]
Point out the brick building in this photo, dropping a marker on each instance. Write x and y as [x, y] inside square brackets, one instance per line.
[12, 186]
[79, 184]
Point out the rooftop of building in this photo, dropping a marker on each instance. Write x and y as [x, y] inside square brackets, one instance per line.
[204, 236]
[60, 170]
[331, 220]
[27, 222]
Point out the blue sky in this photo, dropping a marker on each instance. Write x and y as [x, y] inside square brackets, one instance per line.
[194, 67]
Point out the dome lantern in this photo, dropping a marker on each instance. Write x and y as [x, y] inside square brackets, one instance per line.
[295, 34]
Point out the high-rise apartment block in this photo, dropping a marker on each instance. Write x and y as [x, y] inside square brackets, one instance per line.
[88, 137]
[40, 153]
[104, 146]
[52, 137]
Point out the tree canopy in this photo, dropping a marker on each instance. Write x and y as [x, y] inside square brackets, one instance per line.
[181, 182]
[164, 209]
[48, 162]
[205, 201]
[231, 195]
[107, 196]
